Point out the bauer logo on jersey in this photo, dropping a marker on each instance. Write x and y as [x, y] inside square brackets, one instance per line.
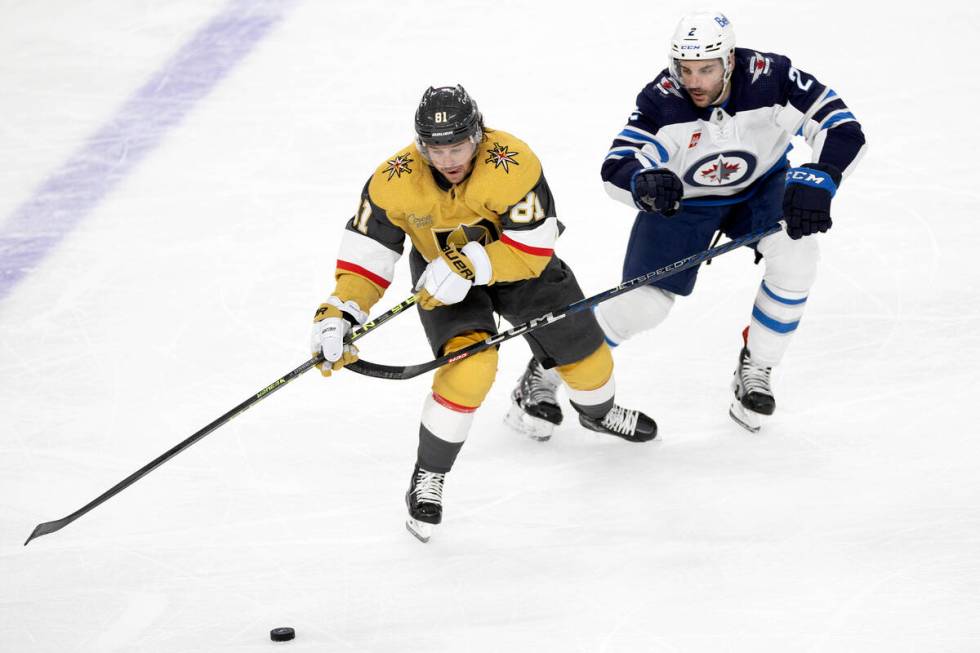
[668, 86]
[759, 65]
[500, 155]
[721, 169]
[398, 165]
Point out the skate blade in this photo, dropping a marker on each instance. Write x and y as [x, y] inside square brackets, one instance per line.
[420, 529]
[533, 427]
[749, 420]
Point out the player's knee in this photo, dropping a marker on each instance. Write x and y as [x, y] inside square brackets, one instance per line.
[790, 264]
[640, 310]
[467, 382]
[589, 373]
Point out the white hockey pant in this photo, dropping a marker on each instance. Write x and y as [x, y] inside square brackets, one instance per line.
[791, 269]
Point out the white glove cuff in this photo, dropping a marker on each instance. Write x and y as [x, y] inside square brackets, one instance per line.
[478, 256]
[349, 307]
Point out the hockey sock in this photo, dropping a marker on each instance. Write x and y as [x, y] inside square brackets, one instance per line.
[594, 403]
[442, 432]
[775, 317]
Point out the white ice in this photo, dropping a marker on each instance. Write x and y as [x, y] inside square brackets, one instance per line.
[851, 523]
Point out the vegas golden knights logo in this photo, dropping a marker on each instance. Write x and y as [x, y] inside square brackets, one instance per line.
[482, 231]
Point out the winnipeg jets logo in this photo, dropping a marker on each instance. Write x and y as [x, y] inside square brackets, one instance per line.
[668, 86]
[721, 169]
[398, 165]
[500, 155]
[759, 65]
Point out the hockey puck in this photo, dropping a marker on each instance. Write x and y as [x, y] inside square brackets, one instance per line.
[282, 634]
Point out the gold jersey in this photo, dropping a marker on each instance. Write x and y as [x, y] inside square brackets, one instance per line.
[504, 204]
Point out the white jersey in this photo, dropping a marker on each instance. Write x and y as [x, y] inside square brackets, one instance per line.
[720, 152]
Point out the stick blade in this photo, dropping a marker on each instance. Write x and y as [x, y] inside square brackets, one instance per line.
[47, 527]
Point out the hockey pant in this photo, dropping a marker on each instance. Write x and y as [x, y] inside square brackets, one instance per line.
[790, 271]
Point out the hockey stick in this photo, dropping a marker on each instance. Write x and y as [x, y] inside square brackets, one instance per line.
[356, 334]
[376, 370]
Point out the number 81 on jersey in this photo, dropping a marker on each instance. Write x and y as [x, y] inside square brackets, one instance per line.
[527, 210]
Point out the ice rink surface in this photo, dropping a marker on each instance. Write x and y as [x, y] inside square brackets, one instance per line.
[175, 180]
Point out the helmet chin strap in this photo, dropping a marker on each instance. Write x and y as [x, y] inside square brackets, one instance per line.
[722, 92]
[729, 67]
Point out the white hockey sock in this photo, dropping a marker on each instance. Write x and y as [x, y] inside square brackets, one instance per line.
[775, 316]
[446, 420]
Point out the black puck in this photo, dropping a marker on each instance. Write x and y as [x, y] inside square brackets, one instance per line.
[282, 634]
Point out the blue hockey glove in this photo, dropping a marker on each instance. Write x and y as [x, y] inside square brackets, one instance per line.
[657, 190]
[806, 204]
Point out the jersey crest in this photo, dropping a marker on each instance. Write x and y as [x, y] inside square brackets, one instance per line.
[482, 231]
[501, 156]
[721, 169]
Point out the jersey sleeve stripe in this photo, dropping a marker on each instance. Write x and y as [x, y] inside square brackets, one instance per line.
[646, 160]
[527, 249]
[630, 134]
[541, 234]
[827, 108]
[347, 266]
[368, 257]
[836, 118]
[620, 152]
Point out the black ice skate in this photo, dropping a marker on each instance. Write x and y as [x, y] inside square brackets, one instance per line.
[535, 411]
[424, 499]
[753, 393]
[624, 423]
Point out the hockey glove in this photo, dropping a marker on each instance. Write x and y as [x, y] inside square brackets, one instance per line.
[806, 204]
[448, 278]
[657, 190]
[331, 324]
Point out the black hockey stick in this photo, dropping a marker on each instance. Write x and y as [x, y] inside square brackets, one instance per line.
[58, 524]
[398, 372]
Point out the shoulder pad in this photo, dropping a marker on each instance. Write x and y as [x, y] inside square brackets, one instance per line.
[397, 178]
[504, 171]
[754, 64]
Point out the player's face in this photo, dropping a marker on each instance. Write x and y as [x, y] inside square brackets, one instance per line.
[703, 80]
[454, 161]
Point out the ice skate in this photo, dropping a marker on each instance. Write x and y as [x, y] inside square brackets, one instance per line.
[424, 500]
[753, 393]
[624, 423]
[535, 410]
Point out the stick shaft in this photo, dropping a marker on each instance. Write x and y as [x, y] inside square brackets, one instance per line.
[58, 524]
[397, 372]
